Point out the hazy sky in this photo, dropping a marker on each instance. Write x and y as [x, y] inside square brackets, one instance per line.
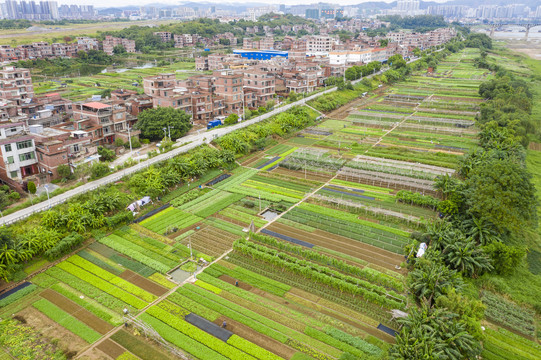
[120, 3]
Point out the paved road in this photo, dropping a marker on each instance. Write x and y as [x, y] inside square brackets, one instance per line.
[191, 141]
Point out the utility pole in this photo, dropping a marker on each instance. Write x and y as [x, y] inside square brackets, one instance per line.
[129, 139]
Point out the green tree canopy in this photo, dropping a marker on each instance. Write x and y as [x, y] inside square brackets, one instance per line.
[153, 121]
[500, 192]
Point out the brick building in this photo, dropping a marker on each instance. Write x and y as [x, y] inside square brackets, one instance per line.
[110, 42]
[165, 36]
[17, 154]
[15, 83]
[261, 83]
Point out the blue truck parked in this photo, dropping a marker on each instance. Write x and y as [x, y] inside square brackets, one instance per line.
[213, 123]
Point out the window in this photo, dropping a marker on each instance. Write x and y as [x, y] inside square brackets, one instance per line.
[7, 147]
[10, 160]
[27, 156]
[13, 174]
[24, 144]
[13, 130]
[41, 156]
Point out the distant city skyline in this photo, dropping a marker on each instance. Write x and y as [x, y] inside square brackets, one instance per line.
[122, 3]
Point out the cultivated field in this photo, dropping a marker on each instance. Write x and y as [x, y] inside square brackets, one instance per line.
[329, 210]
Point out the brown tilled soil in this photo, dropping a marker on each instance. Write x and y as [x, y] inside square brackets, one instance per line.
[95, 354]
[67, 341]
[230, 280]
[143, 283]
[259, 339]
[345, 245]
[111, 348]
[77, 311]
[211, 241]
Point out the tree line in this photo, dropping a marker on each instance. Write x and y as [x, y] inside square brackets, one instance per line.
[487, 208]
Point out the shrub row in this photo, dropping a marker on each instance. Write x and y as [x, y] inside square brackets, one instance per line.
[364, 273]
[321, 274]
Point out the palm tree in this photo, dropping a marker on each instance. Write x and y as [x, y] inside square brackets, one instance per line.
[433, 333]
[482, 231]
[465, 257]
[8, 255]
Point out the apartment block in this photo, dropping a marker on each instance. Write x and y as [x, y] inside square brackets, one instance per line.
[319, 44]
[229, 85]
[261, 83]
[50, 150]
[165, 36]
[266, 43]
[17, 154]
[15, 83]
[100, 120]
[110, 42]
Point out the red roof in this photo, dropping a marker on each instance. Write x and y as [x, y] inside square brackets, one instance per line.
[53, 94]
[97, 105]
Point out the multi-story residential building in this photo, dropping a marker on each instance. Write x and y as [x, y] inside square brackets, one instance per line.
[100, 119]
[88, 42]
[319, 44]
[156, 85]
[182, 40]
[17, 154]
[302, 77]
[110, 42]
[165, 36]
[15, 83]
[229, 85]
[350, 57]
[266, 43]
[261, 83]
[202, 63]
[50, 150]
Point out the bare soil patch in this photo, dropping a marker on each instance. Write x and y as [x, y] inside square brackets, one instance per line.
[143, 283]
[111, 348]
[77, 311]
[96, 354]
[67, 341]
[259, 339]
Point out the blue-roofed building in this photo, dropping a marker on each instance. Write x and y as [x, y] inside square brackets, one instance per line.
[260, 54]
